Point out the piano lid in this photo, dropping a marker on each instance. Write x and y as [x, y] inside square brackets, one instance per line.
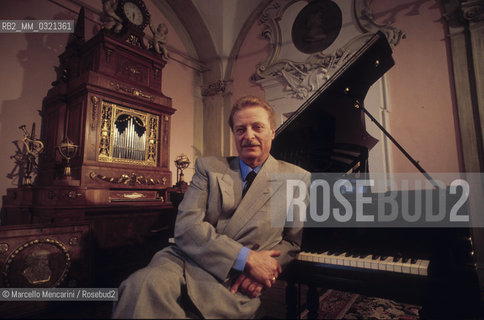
[327, 133]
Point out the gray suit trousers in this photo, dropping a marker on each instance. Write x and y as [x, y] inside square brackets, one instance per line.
[141, 297]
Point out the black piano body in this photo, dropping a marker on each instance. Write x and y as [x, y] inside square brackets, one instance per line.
[327, 134]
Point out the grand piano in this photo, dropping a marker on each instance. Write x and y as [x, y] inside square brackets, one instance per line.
[429, 267]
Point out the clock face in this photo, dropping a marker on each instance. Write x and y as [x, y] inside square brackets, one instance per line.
[133, 13]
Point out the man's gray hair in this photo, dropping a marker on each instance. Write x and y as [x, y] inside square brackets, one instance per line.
[252, 101]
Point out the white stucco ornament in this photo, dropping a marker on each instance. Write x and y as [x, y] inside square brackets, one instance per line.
[310, 41]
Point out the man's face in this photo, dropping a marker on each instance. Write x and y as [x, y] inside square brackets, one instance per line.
[253, 135]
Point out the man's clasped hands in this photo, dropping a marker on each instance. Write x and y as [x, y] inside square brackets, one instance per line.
[261, 271]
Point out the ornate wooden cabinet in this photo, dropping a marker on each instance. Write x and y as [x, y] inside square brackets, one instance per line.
[106, 131]
[108, 101]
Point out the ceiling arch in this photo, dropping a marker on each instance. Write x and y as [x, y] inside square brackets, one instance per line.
[199, 35]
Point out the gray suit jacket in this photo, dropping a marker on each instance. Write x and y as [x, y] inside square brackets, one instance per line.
[214, 222]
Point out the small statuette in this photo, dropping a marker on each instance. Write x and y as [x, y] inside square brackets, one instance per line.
[111, 21]
[181, 162]
[159, 40]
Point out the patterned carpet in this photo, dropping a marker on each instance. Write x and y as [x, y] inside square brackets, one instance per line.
[334, 304]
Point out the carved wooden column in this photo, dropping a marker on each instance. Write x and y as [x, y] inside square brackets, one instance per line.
[466, 37]
[466, 34]
[216, 132]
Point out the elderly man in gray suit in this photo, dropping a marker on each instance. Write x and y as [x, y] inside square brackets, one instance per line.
[226, 248]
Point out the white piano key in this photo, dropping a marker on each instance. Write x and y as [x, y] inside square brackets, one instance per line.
[397, 265]
[423, 268]
[332, 259]
[309, 257]
[347, 261]
[414, 267]
[340, 260]
[360, 262]
[406, 266]
[374, 264]
[353, 261]
[319, 257]
[326, 257]
[384, 264]
[367, 262]
[315, 257]
[301, 256]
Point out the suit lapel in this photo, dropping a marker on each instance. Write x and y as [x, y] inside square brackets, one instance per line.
[259, 193]
[230, 188]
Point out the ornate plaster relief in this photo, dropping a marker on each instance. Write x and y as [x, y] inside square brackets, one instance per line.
[301, 74]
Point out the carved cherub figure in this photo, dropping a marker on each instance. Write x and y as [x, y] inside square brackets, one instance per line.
[159, 39]
[109, 18]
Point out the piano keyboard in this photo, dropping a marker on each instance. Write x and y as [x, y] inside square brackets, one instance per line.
[372, 262]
